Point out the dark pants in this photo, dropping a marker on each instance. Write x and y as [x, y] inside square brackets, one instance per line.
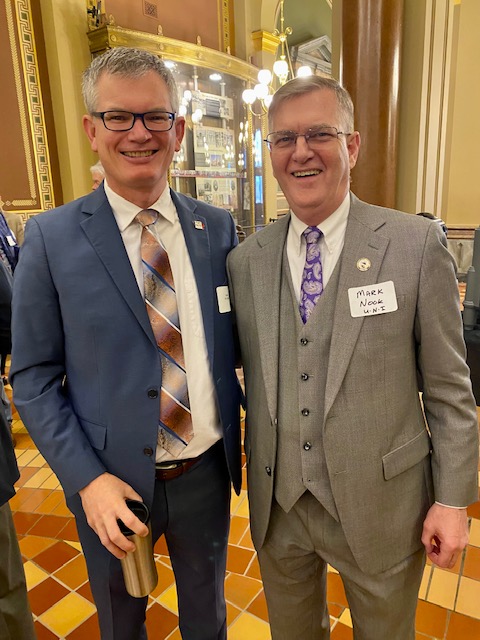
[15, 617]
[193, 512]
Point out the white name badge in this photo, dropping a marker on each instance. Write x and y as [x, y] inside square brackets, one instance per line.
[11, 241]
[223, 297]
[372, 300]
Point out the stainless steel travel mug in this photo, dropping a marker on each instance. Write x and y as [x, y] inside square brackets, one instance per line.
[139, 570]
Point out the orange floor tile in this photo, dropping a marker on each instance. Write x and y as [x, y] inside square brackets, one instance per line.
[62, 603]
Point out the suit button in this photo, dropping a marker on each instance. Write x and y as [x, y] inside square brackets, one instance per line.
[305, 412]
[307, 446]
[303, 341]
[152, 393]
[304, 376]
[268, 470]
[148, 451]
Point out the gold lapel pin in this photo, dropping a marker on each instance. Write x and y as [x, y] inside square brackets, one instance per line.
[363, 264]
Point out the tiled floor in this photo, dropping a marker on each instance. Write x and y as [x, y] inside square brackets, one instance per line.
[61, 601]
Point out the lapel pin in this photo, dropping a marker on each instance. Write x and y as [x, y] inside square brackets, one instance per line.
[363, 264]
[198, 224]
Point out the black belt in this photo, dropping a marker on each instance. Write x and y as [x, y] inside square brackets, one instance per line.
[172, 469]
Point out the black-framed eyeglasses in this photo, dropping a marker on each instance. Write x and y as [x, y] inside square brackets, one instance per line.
[124, 120]
[315, 137]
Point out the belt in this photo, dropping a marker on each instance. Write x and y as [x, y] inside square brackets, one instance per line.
[173, 469]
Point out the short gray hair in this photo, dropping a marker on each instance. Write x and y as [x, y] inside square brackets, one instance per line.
[301, 86]
[97, 168]
[126, 62]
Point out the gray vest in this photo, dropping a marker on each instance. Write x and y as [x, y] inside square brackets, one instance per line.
[304, 354]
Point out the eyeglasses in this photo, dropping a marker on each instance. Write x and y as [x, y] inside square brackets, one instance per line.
[125, 120]
[314, 137]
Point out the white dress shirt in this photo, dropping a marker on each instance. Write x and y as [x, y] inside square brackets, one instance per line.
[201, 390]
[331, 244]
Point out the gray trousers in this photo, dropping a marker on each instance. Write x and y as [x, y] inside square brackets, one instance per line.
[293, 563]
[15, 616]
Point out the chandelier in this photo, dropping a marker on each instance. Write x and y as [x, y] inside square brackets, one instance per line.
[282, 71]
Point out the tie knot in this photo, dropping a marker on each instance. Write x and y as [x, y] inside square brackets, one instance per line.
[312, 235]
[147, 217]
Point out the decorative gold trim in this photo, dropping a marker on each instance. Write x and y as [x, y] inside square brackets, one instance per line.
[225, 25]
[265, 41]
[110, 36]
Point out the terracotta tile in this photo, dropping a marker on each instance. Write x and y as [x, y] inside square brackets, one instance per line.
[238, 559]
[473, 510]
[240, 590]
[244, 478]
[335, 610]
[31, 546]
[468, 598]
[86, 592]
[341, 632]
[74, 573]
[471, 568]
[160, 621]
[56, 556]
[462, 627]
[24, 521]
[48, 526]
[45, 595]
[431, 619]
[67, 614]
[165, 579]
[335, 590]
[50, 503]
[259, 607]
[88, 630]
[253, 570]
[69, 532]
[248, 626]
[238, 526]
[62, 509]
[232, 613]
[247, 541]
[35, 498]
[443, 588]
[25, 474]
[43, 633]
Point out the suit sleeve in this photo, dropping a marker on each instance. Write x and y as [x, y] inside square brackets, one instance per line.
[447, 394]
[38, 371]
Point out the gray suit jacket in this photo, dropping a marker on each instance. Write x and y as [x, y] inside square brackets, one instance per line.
[387, 460]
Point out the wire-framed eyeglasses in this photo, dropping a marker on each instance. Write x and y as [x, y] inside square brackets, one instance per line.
[125, 120]
[315, 137]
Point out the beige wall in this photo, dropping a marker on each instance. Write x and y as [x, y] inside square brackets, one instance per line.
[65, 26]
[463, 202]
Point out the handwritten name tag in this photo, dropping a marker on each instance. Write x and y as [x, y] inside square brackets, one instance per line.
[223, 298]
[373, 299]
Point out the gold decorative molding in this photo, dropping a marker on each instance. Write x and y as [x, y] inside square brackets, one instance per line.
[30, 109]
[110, 36]
[265, 41]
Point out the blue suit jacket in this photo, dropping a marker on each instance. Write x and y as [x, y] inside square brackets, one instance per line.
[84, 357]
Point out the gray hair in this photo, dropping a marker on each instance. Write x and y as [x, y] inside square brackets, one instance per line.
[97, 168]
[301, 86]
[126, 62]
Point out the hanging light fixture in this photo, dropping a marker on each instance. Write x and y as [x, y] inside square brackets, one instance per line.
[282, 69]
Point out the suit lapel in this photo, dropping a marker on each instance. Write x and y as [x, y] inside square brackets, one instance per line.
[102, 231]
[197, 239]
[265, 277]
[361, 241]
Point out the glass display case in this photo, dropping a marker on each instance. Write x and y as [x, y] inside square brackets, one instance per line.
[222, 155]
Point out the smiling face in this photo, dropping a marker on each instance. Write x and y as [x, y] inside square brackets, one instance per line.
[136, 162]
[314, 181]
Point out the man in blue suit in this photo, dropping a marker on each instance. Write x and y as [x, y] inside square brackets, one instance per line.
[86, 369]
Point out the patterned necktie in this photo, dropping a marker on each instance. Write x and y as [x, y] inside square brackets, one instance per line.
[312, 278]
[175, 421]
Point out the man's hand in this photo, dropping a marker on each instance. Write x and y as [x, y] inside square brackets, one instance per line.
[445, 534]
[103, 501]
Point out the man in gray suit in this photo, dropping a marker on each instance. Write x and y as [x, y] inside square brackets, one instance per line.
[342, 309]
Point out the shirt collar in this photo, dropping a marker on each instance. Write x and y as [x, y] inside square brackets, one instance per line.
[125, 211]
[332, 228]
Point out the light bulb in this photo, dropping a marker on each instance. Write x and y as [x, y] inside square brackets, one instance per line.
[280, 68]
[304, 72]
[248, 96]
[264, 76]
[267, 101]
[260, 91]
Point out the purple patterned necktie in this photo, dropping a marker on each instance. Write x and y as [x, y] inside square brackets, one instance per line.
[175, 420]
[312, 278]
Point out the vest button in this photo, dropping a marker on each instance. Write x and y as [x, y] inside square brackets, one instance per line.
[148, 451]
[304, 376]
[305, 412]
[268, 470]
[303, 341]
[307, 446]
[152, 393]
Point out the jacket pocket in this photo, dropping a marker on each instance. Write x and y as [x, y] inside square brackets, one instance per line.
[406, 456]
[96, 433]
